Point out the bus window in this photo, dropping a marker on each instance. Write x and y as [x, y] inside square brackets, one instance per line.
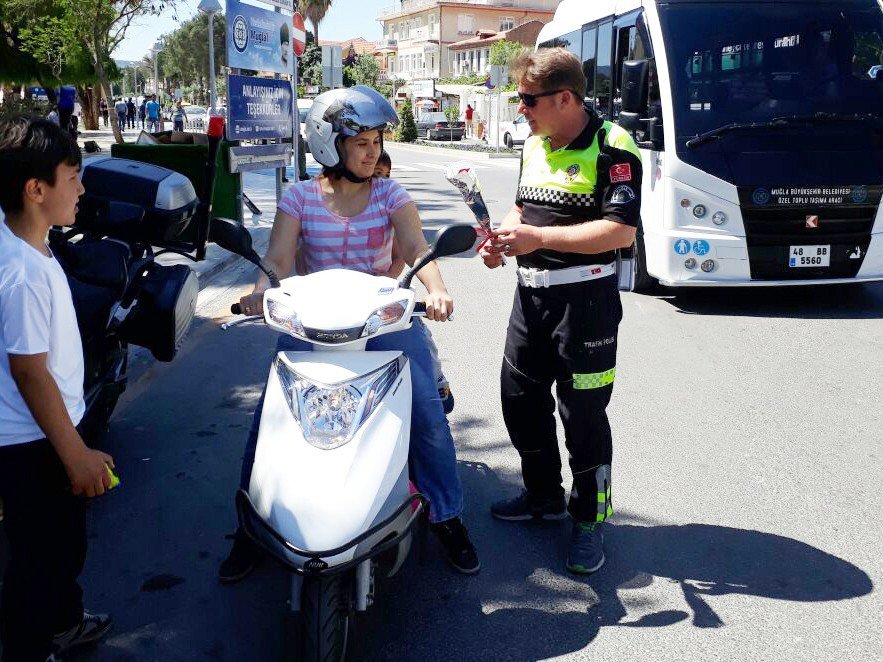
[589, 37]
[571, 41]
[603, 71]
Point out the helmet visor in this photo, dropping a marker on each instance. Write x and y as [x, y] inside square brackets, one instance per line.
[360, 109]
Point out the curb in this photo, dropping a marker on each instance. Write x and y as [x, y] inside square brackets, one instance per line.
[462, 153]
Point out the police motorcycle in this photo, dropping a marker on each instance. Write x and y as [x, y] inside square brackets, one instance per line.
[121, 294]
[330, 496]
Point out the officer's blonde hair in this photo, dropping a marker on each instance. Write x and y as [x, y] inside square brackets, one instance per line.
[551, 69]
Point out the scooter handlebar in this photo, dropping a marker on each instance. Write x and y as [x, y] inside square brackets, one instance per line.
[419, 308]
[236, 309]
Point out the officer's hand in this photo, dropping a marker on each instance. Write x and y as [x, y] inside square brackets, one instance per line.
[518, 240]
[491, 257]
[439, 305]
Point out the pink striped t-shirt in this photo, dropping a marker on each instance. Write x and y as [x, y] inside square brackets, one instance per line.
[361, 243]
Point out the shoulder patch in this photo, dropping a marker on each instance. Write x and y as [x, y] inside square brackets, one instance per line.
[622, 194]
[620, 172]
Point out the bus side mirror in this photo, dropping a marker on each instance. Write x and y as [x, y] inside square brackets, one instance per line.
[635, 93]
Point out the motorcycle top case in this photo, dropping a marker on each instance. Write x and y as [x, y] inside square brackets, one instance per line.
[161, 316]
[167, 197]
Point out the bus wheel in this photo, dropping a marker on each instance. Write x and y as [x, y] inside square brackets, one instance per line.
[644, 282]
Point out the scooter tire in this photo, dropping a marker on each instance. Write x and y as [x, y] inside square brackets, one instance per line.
[325, 609]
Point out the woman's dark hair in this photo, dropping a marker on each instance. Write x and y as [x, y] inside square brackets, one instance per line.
[31, 148]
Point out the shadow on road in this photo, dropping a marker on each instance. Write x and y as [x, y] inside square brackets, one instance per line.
[855, 301]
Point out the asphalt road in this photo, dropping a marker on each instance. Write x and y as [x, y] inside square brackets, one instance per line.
[747, 478]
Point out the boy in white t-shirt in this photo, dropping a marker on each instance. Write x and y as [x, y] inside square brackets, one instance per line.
[45, 467]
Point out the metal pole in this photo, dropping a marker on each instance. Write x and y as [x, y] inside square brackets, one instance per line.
[211, 60]
[280, 172]
[499, 98]
[295, 122]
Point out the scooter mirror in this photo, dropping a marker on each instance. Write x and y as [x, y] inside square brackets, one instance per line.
[453, 239]
[231, 236]
[450, 240]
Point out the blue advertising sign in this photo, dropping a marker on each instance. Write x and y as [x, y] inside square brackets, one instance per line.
[258, 39]
[259, 108]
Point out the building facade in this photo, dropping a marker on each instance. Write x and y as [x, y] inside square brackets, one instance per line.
[417, 34]
[472, 56]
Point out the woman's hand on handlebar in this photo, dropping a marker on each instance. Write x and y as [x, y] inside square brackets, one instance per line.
[439, 305]
[252, 304]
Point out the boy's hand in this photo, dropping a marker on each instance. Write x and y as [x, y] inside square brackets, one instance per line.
[88, 473]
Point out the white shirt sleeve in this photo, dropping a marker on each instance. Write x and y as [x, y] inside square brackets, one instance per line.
[25, 312]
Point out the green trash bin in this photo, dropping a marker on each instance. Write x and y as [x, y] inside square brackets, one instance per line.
[190, 161]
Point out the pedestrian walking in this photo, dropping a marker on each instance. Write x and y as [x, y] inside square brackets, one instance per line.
[46, 470]
[102, 108]
[179, 116]
[130, 113]
[469, 111]
[121, 110]
[578, 201]
[152, 110]
[142, 112]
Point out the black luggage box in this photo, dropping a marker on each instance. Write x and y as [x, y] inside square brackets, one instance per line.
[167, 197]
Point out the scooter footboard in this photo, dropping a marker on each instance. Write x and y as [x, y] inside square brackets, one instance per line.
[268, 539]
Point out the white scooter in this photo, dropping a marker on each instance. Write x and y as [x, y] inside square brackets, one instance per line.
[330, 494]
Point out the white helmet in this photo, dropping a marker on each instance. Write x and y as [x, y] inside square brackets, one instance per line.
[342, 113]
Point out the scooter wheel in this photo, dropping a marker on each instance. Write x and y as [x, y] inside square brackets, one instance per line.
[325, 608]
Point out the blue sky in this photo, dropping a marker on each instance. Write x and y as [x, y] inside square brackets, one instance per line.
[345, 19]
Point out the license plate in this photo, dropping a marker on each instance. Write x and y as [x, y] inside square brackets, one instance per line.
[810, 256]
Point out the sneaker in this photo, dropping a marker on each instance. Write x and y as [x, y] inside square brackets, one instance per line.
[243, 558]
[459, 549]
[447, 398]
[523, 507]
[586, 553]
[92, 628]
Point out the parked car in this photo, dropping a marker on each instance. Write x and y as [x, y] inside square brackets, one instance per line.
[195, 117]
[303, 107]
[436, 126]
[514, 132]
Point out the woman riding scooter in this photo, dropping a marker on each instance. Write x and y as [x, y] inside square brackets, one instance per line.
[345, 220]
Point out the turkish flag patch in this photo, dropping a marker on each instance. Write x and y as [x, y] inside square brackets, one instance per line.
[621, 172]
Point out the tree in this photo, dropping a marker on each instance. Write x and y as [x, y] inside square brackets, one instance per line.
[314, 11]
[184, 57]
[363, 71]
[310, 65]
[505, 52]
[407, 131]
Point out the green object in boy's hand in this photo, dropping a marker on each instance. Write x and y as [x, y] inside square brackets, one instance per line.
[114, 481]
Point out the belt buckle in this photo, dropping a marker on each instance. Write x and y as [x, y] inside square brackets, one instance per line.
[530, 277]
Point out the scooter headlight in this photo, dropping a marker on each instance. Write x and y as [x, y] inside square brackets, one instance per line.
[385, 316]
[331, 414]
[285, 317]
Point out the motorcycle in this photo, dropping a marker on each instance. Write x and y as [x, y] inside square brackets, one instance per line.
[330, 496]
[130, 214]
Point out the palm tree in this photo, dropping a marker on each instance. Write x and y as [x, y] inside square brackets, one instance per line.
[315, 11]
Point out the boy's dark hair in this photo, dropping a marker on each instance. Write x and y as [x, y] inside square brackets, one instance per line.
[384, 160]
[31, 148]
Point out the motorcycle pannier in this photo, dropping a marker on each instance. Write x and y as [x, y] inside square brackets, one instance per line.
[165, 305]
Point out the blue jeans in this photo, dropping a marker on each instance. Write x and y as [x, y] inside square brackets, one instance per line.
[152, 125]
[432, 458]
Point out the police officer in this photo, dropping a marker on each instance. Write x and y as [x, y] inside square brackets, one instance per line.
[578, 201]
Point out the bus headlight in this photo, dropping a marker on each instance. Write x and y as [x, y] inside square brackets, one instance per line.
[708, 266]
[699, 211]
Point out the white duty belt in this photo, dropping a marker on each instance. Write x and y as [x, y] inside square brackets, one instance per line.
[530, 277]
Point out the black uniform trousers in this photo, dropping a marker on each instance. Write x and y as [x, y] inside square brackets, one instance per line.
[564, 334]
[46, 528]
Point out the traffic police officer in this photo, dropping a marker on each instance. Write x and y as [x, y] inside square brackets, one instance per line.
[578, 201]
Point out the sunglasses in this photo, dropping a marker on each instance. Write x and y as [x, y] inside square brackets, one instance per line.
[530, 100]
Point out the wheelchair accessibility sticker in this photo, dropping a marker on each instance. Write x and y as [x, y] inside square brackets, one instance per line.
[701, 247]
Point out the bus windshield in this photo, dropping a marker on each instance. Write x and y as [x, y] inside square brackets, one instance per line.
[753, 62]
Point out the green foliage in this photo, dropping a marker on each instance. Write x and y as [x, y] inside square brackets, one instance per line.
[13, 107]
[363, 71]
[452, 113]
[184, 57]
[463, 80]
[504, 52]
[310, 65]
[407, 129]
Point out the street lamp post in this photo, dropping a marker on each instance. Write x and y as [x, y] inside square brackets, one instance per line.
[210, 7]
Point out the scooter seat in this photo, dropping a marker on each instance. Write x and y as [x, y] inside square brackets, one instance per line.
[101, 262]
